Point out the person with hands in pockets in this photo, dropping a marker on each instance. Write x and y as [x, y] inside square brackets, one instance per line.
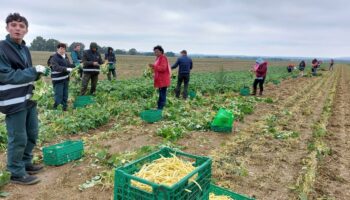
[61, 67]
[17, 76]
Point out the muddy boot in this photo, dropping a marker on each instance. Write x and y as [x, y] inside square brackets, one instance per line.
[261, 93]
[254, 92]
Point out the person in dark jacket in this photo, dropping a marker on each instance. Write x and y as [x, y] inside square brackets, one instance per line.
[290, 68]
[260, 70]
[302, 66]
[92, 61]
[315, 65]
[60, 66]
[17, 76]
[111, 61]
[185, 66]
[76, 58]
[331, 65]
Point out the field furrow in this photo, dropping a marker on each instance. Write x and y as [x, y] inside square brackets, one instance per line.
[265, 165]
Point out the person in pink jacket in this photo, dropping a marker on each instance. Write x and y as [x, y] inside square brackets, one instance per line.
[260, 70]
[162, 74]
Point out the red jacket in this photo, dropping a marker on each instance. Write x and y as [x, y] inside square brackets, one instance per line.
[162, 72]
[261, 70]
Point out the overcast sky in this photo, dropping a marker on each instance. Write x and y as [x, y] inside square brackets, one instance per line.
[316, 28]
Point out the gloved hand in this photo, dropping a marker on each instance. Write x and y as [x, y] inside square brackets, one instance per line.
[40, 69]
[69, 69]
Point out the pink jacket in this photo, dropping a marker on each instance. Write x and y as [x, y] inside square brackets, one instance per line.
[261, 70]
[162, 72]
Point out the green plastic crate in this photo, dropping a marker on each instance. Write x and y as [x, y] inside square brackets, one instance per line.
[151, 116]
[222, 191]
[221, 129]
[64, 152]
[223, 121]
[192, 94]
[82, 101]
[123, 190]
[245, 91]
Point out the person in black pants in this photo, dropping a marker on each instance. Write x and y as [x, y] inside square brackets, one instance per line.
[260, 70]
[185, 66]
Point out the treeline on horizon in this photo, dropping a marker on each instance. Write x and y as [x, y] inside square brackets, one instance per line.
[41, 44]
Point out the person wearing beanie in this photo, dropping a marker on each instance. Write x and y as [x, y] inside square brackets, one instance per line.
[91, 69]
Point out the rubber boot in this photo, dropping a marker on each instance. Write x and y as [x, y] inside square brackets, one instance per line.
[254, 92]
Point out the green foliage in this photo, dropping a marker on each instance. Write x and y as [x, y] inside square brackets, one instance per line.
[4, 178]
[126, 99]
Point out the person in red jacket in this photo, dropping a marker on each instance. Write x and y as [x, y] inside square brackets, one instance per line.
[260, 70]
[162, 74]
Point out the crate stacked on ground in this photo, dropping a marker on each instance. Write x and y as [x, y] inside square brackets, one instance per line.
[219, 191]
[151, 116]
[64, 152]
[244, 91]
[82, 101]
[194, 186]
[223, 121]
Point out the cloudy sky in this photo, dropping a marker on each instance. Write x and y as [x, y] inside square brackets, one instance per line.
[316, 28]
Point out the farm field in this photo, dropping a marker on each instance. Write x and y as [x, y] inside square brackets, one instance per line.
[291, 143]
[133, 66]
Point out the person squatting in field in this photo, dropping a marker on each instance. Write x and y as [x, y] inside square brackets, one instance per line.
[185, 66]
[92, 61]
[111, 60]
[162, 74]
[61, 67]
[290, 68]
[260, 70]
[17, 77]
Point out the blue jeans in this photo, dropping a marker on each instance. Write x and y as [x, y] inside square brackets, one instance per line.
[162, 98]
[22, 131]
[61, 93]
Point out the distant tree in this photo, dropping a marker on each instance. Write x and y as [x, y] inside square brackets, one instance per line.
[132, 51]
[120, 52]
[51, 45]
[148, 53]
[170, 54]
[38, 44]
[71, 47]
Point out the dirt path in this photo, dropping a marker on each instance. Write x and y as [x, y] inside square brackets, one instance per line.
[202, 143]
[333, 173]
[258, 164]
[62, 182]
